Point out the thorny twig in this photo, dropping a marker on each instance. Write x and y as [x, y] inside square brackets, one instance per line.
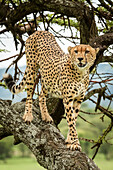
[102, 138]
[12, 57]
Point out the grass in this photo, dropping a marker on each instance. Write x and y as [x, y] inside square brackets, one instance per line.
[20, 164]
[102, 163]
[31, 164]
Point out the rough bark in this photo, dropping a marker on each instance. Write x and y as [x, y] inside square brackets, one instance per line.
[102, 41]
[44, 140]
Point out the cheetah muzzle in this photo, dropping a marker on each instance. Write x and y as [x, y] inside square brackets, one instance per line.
[81, 65]
[63, 75]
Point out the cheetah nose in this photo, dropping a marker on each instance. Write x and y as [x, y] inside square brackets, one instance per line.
[80, 59]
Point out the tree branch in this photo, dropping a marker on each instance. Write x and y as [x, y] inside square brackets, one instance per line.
[92, 92]
[107, 59]
[4, 133]
[44, 140]
[69, 8]
[12, 57]
[102, 109]
[102, 41]
[105, 5]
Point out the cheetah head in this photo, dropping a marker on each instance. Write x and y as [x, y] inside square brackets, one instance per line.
[82, 56]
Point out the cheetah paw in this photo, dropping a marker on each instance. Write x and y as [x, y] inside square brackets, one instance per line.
[28, 118]
[47, 119]
[74, 146]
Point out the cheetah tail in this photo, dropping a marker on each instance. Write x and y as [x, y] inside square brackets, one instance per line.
[10, 83]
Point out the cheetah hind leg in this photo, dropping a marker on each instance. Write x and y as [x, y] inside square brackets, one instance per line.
[43, 108]
[28, 117]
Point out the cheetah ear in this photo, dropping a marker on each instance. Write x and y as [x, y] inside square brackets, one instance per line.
[97, 50]
[69, 49]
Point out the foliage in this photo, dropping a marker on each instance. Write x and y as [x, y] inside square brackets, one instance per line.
[6, 149]
[3, 50]
[3, 85]
[24, 151]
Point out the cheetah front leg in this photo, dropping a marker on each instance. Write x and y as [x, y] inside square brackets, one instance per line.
[72, 140]
[43, 108]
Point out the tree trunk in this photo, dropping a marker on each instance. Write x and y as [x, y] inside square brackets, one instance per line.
[44, 140]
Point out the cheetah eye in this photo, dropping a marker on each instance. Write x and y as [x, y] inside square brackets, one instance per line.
[87, 51]
[76, 51]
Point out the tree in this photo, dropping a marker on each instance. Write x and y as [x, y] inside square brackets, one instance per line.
[79, 15]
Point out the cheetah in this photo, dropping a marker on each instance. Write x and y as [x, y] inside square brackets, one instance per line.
[64, 76]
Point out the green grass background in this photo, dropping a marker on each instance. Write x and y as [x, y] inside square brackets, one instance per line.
[31, 164]
[20, 164]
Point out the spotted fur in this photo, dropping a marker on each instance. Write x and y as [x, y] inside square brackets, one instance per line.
[63, 76]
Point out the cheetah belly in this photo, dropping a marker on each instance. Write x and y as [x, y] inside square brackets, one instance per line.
[54, 91]
[53, 88]
[56, 94]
